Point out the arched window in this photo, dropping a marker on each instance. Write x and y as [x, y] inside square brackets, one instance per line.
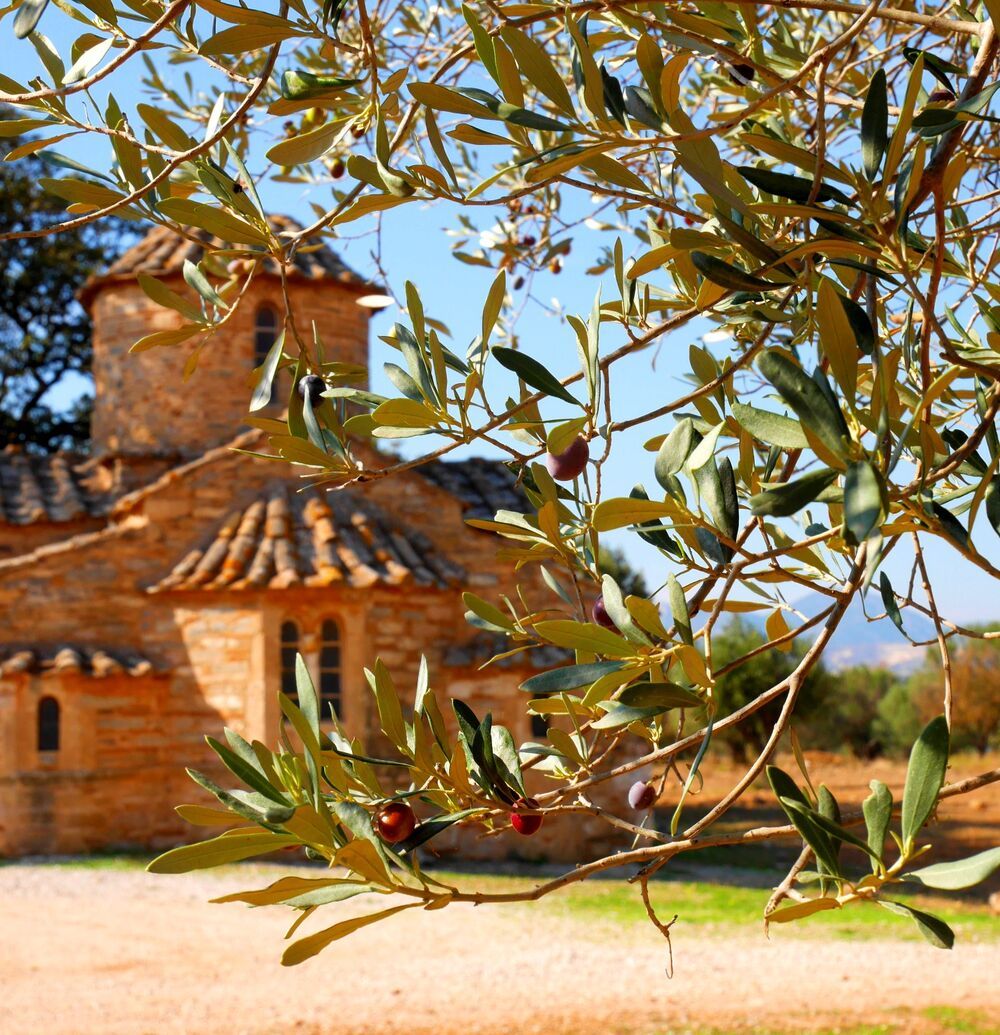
[329, 668]
[265, 333]
[289, 648]
[48, 724]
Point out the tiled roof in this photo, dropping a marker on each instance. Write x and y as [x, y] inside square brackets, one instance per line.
[311, 538]
[89, 661]
[485, 645]
[163, 252]
[46, 488]
[483, 486]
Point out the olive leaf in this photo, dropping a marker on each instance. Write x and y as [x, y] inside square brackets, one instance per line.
[924, 777]
[728, 276]
[877, 809]
[788, 499]
[959, 874]
[531, 372]
[875, 125]
[813, 404]
[864, 502]
[28, 16]
[934, 930]
[795, 188]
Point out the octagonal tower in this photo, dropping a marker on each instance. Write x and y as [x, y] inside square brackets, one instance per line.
[143, 407]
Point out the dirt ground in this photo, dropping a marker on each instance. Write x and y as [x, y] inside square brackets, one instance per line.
[121, 952]
[88, 951]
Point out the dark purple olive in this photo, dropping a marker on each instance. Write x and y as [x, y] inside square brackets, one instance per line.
[599, 613]
[941, 96]
[742, 74]
[566, 466]
[641, 795]
[312, 387]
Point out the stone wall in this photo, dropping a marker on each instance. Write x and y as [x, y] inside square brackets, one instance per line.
[115, 778]
[141, 403]
[215, 654]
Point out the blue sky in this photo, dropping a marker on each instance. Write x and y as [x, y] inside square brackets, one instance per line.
[415, 247]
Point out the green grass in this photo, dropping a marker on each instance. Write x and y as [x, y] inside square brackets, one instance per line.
[934, 1020]
[617, 903]
[98, 861]
[961, 1022]
[854, 1029]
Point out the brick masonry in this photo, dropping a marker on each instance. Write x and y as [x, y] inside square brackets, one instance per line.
[214, 654]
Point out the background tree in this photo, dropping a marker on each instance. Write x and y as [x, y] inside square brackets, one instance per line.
[975, 671]
[44, 331]
[742, 684]
[898, 720]
[848, 716]
[612, 561]
[815, 181]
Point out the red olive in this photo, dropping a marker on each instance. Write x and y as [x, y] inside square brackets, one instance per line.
[566, 466]
[524, 819]
[394, 822]
[641, 795]
[599, 613]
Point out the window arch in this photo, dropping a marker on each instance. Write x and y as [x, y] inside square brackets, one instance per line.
[48, 724]
[289, 648]
[265, 333]
[329, 668]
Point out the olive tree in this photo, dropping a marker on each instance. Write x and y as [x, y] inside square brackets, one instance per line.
[44, 331]
[814, 179]
[975, 673]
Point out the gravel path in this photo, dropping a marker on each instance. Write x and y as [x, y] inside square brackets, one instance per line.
[105, 952]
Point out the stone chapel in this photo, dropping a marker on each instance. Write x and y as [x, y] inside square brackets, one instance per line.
[159, 587]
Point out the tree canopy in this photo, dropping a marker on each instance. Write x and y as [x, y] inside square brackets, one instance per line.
[44, 331]
[812, 180]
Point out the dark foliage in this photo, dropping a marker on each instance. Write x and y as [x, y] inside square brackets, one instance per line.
[44, 331]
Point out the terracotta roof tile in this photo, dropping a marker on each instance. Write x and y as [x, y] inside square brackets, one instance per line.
[48, 488]
[483, 486]
[89, 661]
[162, 252]
[286, 538]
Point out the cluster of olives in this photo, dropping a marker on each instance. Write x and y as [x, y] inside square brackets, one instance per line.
[395, 821]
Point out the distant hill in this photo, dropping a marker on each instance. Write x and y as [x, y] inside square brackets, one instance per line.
[858, 641]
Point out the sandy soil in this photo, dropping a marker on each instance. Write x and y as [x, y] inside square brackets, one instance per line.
[103, 952]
